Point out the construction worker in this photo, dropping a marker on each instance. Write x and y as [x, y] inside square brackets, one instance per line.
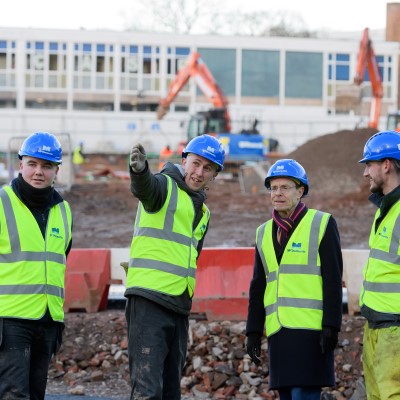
[380, 294]
[165, 154]
[35, 239]
[296, 289]
[78, 158]
[171, 222]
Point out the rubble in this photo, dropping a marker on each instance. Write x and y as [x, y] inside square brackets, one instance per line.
[93, 360]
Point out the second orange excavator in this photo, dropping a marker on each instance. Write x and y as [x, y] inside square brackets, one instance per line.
[367, 61]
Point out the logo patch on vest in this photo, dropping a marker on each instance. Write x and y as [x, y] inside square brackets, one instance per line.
[296, 248]
[383, 233]
[203, 229]
[55, 232]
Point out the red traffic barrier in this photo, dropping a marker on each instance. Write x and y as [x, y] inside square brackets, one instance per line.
[87, 280]
[222, 283]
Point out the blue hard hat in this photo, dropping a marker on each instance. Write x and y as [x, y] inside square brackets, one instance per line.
[42, 145]
[287, 168]
[206, 146]
[385, 144]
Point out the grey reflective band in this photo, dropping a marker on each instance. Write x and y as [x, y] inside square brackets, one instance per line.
[299, 269]
[65, 221]
[162, 266]
[300, 303]
[314, 238]
[382, 287]
[11, 222]
[271, 309]
[381, 255]
[271, 277]
[31, 256]
[32, 289]
[259, 247]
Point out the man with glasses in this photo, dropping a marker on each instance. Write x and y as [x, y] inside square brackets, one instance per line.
[296, 290]
[380, 294]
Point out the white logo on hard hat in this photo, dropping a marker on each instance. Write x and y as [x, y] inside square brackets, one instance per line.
[210, 149]
[46, 148]
[280, 167]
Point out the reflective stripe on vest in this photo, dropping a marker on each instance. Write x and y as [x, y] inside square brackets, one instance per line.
[171, 268]
[293, 294]
[381, 286]
[32, 269]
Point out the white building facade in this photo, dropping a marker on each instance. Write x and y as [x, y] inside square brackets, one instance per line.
[103, 87]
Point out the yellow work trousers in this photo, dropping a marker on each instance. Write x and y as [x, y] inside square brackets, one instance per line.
[381, 362]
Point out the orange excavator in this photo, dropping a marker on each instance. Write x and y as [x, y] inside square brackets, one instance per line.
[216, 119]
[367, 61]
[248, 145]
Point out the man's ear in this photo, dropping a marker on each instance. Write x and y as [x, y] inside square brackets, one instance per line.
[183, 161]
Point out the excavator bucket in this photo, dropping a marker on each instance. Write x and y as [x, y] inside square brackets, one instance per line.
[161, 111]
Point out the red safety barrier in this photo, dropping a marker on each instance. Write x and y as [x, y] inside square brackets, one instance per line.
[87, 279]
[222, 283]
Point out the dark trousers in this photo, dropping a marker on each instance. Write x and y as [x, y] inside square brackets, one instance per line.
[26, 348]
[157, 349]
[300, 393]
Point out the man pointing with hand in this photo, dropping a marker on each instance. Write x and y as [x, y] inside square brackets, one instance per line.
[171, 222]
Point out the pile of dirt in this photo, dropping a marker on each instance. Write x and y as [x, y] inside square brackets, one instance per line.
[331, 161]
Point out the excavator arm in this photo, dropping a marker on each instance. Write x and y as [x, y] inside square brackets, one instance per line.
[195, 68]
[368, 61]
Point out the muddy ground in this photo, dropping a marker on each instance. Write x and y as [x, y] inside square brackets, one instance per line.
[104, 208]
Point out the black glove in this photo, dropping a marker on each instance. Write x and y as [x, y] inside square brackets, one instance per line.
[254, 347]
[328, 339]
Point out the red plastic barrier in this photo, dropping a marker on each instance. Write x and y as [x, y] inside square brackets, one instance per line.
[87, 279]
[222, 283]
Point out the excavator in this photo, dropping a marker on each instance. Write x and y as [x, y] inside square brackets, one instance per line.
[248, 145]
[367, 61]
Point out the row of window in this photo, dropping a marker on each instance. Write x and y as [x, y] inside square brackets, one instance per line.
[94, 66]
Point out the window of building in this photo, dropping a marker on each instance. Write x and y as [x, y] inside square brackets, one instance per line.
[222, 65]
[303, 75]
[260, 73]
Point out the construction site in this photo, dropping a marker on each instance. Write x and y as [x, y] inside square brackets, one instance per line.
[322, 120]
[93, 358]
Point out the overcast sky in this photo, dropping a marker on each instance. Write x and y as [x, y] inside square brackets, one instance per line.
[340, 15]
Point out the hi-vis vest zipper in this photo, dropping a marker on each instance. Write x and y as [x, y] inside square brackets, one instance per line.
[381, 286]
[293, 295]
[32, 269]
[163, 255]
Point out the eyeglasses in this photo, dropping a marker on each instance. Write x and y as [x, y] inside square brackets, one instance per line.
[283, 189]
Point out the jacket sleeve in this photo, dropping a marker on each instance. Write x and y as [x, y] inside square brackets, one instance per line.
[150, 189]
[256, 313]
[331, 271]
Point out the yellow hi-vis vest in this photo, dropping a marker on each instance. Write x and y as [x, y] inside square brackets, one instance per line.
[293, 294]
[77, 157]
[381, 286]
[163, 255]
[32, 268]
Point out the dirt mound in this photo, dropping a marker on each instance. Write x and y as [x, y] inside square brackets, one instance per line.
[331, 161]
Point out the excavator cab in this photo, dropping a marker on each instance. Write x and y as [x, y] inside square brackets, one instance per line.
[210, 122]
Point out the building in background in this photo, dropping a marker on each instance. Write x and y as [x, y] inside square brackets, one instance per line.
[103, 87]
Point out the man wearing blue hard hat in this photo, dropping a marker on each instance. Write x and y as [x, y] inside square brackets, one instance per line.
[296, 291]
[380, 293]
[35, 239]
[171, 223]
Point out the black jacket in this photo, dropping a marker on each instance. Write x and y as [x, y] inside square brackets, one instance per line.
[152, 192]
[295, 355]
